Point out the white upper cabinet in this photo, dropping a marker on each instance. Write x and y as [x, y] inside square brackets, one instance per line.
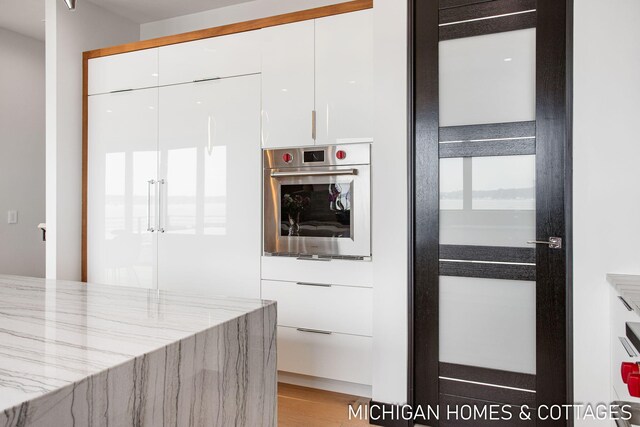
[287, 85]
[212, 58]
[344, 78]
[133, 70]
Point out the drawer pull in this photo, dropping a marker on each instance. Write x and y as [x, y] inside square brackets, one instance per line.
[322, 285]
[208, 79]
[626, 304]
[308, 258]
[314, 331]
[630, 351]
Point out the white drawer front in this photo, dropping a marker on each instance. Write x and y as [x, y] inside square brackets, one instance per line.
[335, 356]
[133, 70]
[216, 57]
[343, 309]
[333, 272]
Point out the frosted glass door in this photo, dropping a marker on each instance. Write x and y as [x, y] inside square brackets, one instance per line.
[210, 213]
[487, 285]
[122, 165]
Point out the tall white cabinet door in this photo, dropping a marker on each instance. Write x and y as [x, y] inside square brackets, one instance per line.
[210, 205]
[287, 85]
[216, 57]
[122, 159]
[344, 78]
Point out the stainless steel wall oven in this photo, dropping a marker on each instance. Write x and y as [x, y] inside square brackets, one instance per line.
[317, 201]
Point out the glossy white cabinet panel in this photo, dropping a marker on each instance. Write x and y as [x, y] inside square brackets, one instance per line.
[488, 79]
[215, 57]
[333, 272]
[488, 201]
[132, 70]
[122, 158]
[334, 356]
[210, 205]
[344, 78]
[342, 309]
[489, 323]
[287, 84]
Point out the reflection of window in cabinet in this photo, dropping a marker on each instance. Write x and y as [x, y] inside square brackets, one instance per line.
[287, 85]
[344, 78]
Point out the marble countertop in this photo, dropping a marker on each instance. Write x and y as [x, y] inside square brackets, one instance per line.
[56, 333]
[628, 287]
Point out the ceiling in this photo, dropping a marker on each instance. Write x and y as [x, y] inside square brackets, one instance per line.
[26, 16]
[143, 11]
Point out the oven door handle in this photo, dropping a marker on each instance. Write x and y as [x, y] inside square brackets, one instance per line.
[315, 173]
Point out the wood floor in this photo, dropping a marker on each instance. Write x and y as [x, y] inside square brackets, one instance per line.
[308, 407]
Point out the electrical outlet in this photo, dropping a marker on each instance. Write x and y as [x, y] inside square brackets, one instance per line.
[12, 217]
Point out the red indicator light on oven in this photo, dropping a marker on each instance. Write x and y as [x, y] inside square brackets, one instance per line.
[633, 385]
[341, 154]
[287, 157]
[628, 368]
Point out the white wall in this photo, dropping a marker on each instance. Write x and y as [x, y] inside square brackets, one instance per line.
[606, 176]
[389, 220]
[22, 148]
[228, 15]
[68, 34]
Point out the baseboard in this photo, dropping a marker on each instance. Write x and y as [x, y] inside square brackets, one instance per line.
[387, 415]
[335, 386]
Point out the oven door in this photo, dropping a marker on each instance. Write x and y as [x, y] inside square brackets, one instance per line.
[318, 211]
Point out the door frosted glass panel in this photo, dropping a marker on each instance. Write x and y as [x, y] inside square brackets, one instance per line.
[488, 79]
[122, 158]
[487, 201]
[210, 213]
[488, 323]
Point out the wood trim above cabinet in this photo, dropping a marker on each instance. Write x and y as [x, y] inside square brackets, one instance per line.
[256, 24]
[239, 27]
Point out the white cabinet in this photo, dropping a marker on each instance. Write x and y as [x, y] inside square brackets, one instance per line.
[332, 272]
[344, 78]
[210, 214]
[324, 329]
[336, 309]
[334, 356]
[133, 70]
[323, 66]
[122, 159]
[287, 85]
[174, 188]
[216, 57]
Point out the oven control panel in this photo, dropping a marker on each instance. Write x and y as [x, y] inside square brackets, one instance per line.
[335, 155]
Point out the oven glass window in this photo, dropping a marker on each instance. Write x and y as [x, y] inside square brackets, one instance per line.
[316, 210]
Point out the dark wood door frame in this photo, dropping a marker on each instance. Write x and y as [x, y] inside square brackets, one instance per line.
[553, 132]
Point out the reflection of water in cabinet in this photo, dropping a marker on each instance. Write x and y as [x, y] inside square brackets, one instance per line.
[487, 200]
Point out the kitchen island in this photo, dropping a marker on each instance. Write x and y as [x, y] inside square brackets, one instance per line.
[92, 355]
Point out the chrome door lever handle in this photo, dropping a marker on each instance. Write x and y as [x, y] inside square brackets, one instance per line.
[553, 242]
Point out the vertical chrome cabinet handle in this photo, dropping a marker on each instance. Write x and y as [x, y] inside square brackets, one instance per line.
[160, 207]
[553, 242]
[149, 184]
[313, 124]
